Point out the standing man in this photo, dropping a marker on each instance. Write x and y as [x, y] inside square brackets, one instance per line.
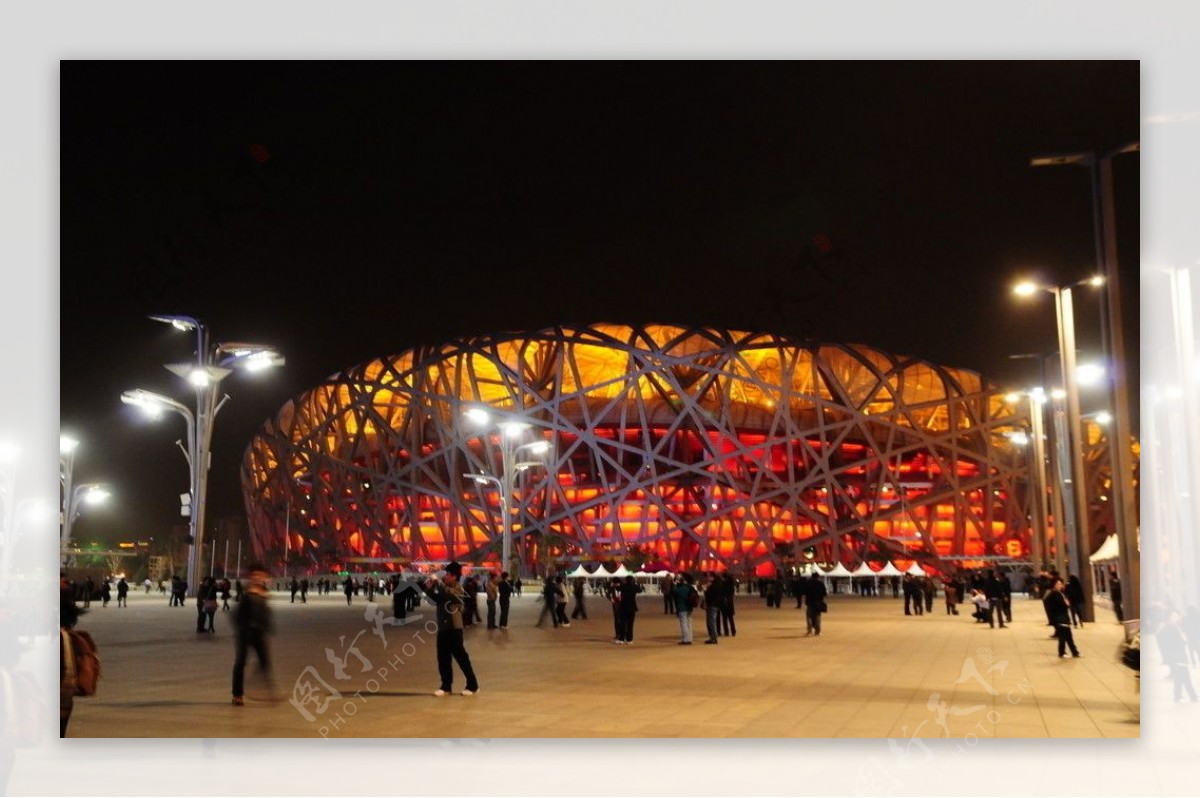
[122, 592]
[685, 600]
[1114, 593]
[295, 588]
[815, 593]
[995, 596]
[254, 622]
[1058, 610]
[448, 596]
[714, 597]
[506, 591]
[728, 627]
[667, 588]
[493, 592]
[627, 609]
[348, 589]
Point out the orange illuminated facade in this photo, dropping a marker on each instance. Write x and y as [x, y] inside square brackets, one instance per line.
[701, 447]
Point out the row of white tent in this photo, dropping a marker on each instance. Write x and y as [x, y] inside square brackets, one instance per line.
[837, 570]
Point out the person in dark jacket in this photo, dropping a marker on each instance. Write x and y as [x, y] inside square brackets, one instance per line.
[627, 609]
[684, 595]
[448, 596]
[506, 591]
[1058, 610]
[994, 591]
[728, 627]
[714, 598]
[580, 610]
[254, 623]
[1074, 594]
[68, 616]
[814, 593]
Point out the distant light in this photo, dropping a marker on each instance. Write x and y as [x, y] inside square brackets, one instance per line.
[1025, 288]
[1038, 394]
[513, 429]
[1103, 417]
[66, 445]
[1096, 281]
[199, 378]
[1013, 397]
[1058, 393]
[1019, 438]
[1089, 374]
[541, 447]
[478, 415]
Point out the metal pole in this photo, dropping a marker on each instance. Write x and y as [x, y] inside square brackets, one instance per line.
[1124, 507]
[1064, 507]
[225, 565]
[1081, 547]
[1040, 511]
[238, 572]
[506, 477]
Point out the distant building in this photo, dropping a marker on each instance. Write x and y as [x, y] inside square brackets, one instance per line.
[707, 447]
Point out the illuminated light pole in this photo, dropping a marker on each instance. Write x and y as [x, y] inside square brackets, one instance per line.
[212, 365]
[1075, 491]
[1105, 233]
[88, 493]
[66, 472]
[1036, 398]
[510, 432]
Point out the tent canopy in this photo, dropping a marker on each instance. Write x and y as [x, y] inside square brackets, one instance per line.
[915, 570]
[621, 571]
[579, 571]
[863, 570]
[889, 570]
[837, 570]
[1109, 550]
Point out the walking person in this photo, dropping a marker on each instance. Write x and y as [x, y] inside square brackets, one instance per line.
[714, 595]
[612, 592]
[667, 587]
[1058, 609]
[578, 588]
[506, 591]
[105, 593]
[685, 600]
[206, 605]
[994, 590]
[1114, 593]
[560, 601]
[929, 587]
[1173, 645]
[122, 593]
[549, 603]
[448, 596]
[492, 590]
[814, 593]
[254, 623]
[348, 589]
[225, 594]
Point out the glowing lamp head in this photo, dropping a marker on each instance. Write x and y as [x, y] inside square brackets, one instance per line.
[477, 415]
[66, 445]
[1026, 288]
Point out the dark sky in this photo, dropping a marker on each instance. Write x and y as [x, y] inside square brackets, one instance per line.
[343, 211]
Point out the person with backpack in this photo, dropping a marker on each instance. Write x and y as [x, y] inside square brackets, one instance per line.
[685, 600]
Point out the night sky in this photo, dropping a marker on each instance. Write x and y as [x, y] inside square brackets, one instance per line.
[344, 211]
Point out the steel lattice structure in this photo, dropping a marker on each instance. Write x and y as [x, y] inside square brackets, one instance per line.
[703, 446]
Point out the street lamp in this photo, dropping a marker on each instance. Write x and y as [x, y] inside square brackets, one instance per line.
[66, 470]
[88, 493]
[1037, 436]
[1105, 233]
[510, 432]
[212, 364]
[1072, 475]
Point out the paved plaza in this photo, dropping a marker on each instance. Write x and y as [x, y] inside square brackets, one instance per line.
[873, 673]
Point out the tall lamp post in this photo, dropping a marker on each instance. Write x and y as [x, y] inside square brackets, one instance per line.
[88, 493]
[1071, 439]
[213, 363]
[510, 433]
[1037, 451]
[1105, 233]
[66, 472]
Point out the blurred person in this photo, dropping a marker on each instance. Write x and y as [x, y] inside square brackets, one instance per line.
[685, 600]
[68, 616]
[627, 607]
[728, 627]
[1074, 594]
[814, 593]
[714, 596]
[254, 623]
[492, 591]
[580, 610]
[505, 589]
[122, 593]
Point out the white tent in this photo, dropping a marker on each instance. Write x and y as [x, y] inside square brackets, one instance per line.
[621, 571]
[915, 570]
[837, 570]
[864, 570]
[889, 570]
[1109, 550]
[578, 572]
[663, 573]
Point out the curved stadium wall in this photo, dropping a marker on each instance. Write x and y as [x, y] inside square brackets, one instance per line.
[696, 448]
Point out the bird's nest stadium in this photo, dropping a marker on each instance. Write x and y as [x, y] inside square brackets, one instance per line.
[693, 447]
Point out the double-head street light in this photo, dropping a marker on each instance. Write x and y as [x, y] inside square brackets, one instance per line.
[1070, 438]
[212, 365]
[1105, 232]
[510, 432]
